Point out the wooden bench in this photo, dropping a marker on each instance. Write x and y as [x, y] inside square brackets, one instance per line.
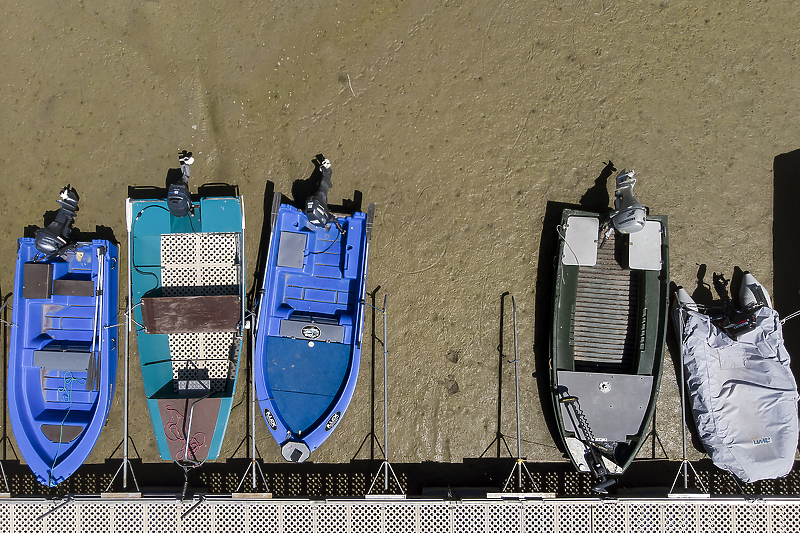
[191, 314]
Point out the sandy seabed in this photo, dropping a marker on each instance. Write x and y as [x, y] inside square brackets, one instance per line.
[460, 120]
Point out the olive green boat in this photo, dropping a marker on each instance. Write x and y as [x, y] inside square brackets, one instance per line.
[608, 336]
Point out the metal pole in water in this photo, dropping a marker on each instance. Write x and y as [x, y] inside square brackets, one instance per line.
[385, 403]
[516, 379]
[683, 406]
[253, 409]
[127, 355]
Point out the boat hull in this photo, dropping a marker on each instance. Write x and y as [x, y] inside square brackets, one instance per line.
[742, 391]
[608, 335]
[63, 355]
[187, 290]
[310, 320]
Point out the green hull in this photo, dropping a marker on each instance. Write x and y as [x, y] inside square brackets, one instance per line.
[607, 341]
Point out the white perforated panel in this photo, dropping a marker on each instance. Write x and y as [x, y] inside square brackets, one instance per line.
[366, 519]
[574, 517]
[332, 518]
[200, 264]
[276, 516]
[608, 517]
[63, 519]
[468, 517]
[264, 517]
[400, 517]
[644, 517]
[200, 516]
[204, 356]
[753, 517]
[715, 518]
[128, 518]
[433, 518]
[679, 517]
[163, 517]
[539, 517]
[26, 517]
[298, 517]
[504, 517]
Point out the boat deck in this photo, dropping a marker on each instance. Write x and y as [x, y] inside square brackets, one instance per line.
[604, 323]
[201, 264]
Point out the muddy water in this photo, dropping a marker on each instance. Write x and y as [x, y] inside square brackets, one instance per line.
[460, 120]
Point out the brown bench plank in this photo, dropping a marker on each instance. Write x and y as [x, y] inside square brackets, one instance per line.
[191, 314]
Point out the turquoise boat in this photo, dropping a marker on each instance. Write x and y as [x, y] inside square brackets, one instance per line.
[186, 275]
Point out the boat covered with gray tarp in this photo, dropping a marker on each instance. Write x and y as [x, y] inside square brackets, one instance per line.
[742, 391]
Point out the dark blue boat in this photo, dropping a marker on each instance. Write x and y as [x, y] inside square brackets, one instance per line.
[310, 321]
[63, 359]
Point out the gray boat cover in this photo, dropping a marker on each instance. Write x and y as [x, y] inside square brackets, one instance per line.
[743, 395]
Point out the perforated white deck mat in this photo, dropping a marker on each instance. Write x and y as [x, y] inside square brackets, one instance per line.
[423, 516]
[201, 264]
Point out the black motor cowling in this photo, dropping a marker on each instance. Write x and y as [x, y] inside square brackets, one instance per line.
[54, 239]
[316, 209]
[179, 199]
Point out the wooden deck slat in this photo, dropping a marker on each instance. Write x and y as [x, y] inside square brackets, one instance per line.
[604, 319]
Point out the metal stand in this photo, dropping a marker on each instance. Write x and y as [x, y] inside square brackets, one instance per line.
[520, 466]
[685, 464]
[4, 311]
[371, 437]
[253, 463]
[499, 437]
[386, 467]
[126, 464]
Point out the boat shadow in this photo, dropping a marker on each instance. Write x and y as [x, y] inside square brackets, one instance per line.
[471, 478]
[785, 253]
[302, 189]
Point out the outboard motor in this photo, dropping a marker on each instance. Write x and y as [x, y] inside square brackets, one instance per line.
[179, 200]
[317, 205]
[629, 215]
[54, 239]
[734, 323]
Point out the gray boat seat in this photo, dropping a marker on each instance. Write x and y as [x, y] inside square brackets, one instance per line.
[291, 249]
[312, 331]
[73, 287]
[614, 404]
[580, 241]
[644, 250]
[64, 361]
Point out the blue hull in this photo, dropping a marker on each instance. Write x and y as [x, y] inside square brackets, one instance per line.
[63, 358]
[310, 321]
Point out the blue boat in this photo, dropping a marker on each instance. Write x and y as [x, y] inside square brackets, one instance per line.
[63, 355]
[310, 320]
[187, 286]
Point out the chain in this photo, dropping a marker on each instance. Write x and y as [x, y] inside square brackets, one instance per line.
[580, 417]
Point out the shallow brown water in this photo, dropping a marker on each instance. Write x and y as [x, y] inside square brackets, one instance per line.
[460, 120]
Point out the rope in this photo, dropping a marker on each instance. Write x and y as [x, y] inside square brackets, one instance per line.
[329, 246]
[66, 391]
[563, 236]
[173, 432]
